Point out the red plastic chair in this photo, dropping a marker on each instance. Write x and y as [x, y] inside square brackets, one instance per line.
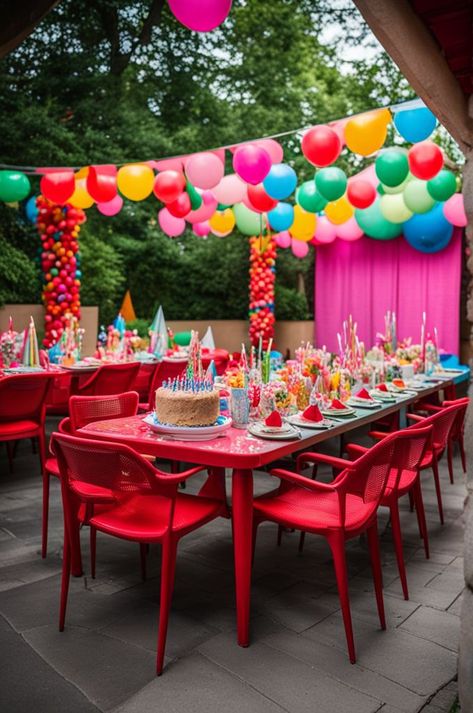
[338, 511]
[110, 379]
[23, 411]
[148, 509]
[164, 371]
[404, 478]
[85, 410]
[457, 431]
[144, 378]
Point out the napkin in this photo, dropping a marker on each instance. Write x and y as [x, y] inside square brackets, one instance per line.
[312, 413]
[399, 383]
[337, 404]
[382, 387]
[274, 420]
[363, 394]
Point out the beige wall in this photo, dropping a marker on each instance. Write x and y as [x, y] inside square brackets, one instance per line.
[21, 315]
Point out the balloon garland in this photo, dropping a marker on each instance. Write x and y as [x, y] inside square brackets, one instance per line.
[59, 227]
[262, 278]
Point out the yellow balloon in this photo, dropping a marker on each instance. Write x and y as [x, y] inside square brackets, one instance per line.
[222, 221]
[339, 211]
[81, 198]
[82, 172]
[135, 181]
[303, 226]
[366, 133]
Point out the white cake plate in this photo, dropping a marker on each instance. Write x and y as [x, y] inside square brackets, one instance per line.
[189, 433]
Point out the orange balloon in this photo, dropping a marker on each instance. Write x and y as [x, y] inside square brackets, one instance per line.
[339, 211]
[366, 133]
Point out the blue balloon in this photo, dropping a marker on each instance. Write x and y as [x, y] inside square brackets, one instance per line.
[280, 181]
[428, 232]
[415, 124]
[31, 210]
[281, 217]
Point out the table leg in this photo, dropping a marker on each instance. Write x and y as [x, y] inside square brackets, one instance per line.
[242, 514]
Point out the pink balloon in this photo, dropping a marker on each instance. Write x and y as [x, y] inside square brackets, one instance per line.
[283, 239]
[299, 248]
[169, 164]
[204, 170]
[111, 207]
[454, 210]
[252, 163]
[324, 230]
[200, 15]
[201, 229]
[271, 146]
[169, 224]
[349, 230]
[206, 210]
[230, 190]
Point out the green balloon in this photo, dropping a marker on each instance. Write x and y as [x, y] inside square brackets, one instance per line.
[392, 167]
[399, 188]
[222, 206]
[309, 199]
[375, 225]
[247, 221]
[417, 198]
[14, 186]
[194, 196]
[442, 186]
[331, 183]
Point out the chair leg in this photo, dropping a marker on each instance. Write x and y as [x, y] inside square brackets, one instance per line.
[168, 566]
[143, 551]
[301, 541]
[397, 537]
[66, 573]
[337, 545]
[373, 544]
[462, 451]
[419, 500]
[42, 450]
[44, 532]
[450, 459]
[93, 550]
[435, 470]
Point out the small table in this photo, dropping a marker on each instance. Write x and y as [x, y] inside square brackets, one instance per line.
[242, 453]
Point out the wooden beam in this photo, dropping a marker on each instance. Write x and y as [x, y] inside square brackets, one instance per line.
[19, 19]
[416, 53]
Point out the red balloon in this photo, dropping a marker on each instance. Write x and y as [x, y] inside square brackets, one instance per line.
[321, 145]
[259, 199]
[168, 186]
[101, 184]
[58, 186]
[181, 206]
[425, 160]
[361, 193]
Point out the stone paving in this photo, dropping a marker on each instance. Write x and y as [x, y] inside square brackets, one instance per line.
[297, 661]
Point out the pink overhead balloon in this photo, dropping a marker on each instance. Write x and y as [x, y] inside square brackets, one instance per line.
[271, 146]
[349, 231]
[454, 210]
[169, 224]
[200, 15]
[206, 210]
[230, 190]
[111, 207]
[252, 163]
[201, 229]
[169, 164]
[299, 248]
[204, 170]
[283, 239]
[324, 230]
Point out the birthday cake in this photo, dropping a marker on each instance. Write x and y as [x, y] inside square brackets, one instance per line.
[191, 404]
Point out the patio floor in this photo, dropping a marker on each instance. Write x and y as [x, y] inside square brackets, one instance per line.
[297, 661]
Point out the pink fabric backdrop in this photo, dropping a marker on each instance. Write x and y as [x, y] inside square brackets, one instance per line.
[367, 277]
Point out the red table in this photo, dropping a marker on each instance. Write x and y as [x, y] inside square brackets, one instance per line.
[242, 453]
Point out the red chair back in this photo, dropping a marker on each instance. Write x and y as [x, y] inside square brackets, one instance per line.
[110, 379]
[143, 380]
[458, 426]
[442, 423]
[410, 451]
[166, 370]
[23, 397]
[87, 409]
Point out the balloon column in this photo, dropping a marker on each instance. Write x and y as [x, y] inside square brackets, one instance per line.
[262, 278]
[59, 228]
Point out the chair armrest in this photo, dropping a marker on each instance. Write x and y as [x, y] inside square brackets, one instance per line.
[339, 463]
[355, 450]
[378, 435]
[432, 408]
[176, 478]
[414, 417]
[302, 481]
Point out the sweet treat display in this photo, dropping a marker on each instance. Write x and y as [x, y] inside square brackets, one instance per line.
[187, 402]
